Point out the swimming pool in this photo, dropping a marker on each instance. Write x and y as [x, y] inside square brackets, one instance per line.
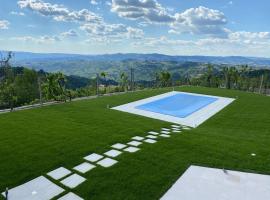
[184, 108]
[178, 105]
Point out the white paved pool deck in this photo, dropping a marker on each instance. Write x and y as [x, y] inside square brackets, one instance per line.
[192, 120]
[202, 183]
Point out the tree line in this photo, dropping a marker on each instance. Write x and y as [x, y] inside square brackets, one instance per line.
[242, 77]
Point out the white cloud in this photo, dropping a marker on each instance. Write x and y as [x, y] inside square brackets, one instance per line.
[4, 24]
[59, 12]
[94, 2]
[230, 2]
[70, 33]
[200, 20]
[148, 10]
[244, 35]
[112, 31]
[40, 39]
[237, 43]
[17, 13]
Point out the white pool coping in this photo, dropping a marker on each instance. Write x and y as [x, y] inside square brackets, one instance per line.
[192, 120]
[202, 183]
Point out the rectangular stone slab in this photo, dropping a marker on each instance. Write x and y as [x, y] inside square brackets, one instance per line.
[113, 153]
[150, 141]
[59, 173]
[118, 146]
[93, 157]
[165, 129]
[165, 132]
[39, 188]
[73, 181]
[203, 183]
[84, 167]
[131, 149]
[134, 143]
[164, 135]
[139, 138]
[151, 136]
[107, 162]
[153, 133]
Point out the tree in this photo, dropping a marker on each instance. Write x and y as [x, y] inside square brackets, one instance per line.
[70, 94]
[26, 86]
[7, 86]
[124, 81]
[54, 86]
[230, 76]
[209, 75]
[103, 75]
[165, 78]
[7, 94]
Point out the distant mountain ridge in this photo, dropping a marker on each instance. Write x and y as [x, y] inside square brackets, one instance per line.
[230, 60]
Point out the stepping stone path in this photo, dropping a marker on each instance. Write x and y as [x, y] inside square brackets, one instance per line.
[134, 143]
[107, 162]
[70, 196]
[84, 167]
[73, 181]
[150, 141]
[138, 138]
[93, 157]
[113, 153]
[131, 149]
[119, 146]
[59, 173]
[41, 188]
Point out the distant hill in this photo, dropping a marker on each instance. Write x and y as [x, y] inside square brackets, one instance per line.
[145, 65]
[235, 60]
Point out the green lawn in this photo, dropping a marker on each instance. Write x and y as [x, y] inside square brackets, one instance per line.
[33, 142]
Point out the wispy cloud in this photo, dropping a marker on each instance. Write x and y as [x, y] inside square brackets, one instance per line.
[4, 24]
[70, 33]
[17, 13]
[40, 39]
[94, 2]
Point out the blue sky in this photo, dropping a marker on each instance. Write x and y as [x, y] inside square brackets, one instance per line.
[175, 27]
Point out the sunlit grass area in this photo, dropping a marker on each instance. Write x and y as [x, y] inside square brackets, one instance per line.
[34, 142]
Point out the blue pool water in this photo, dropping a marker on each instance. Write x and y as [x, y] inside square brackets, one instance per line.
[178, 105]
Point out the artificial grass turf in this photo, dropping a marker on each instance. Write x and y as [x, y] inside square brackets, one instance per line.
[33, 142]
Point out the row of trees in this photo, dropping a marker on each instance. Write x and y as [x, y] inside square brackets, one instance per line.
[236, 77]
